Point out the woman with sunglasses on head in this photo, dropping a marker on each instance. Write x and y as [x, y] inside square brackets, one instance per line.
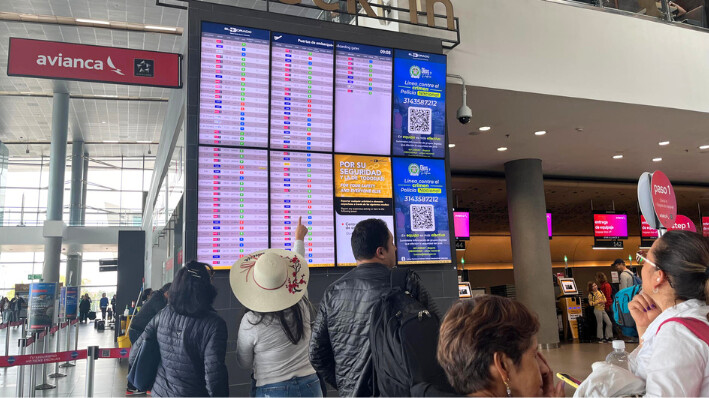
[671, 317]
[191, 336]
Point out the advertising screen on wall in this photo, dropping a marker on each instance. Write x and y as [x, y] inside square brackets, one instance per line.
[549, 225]
[705, 226]
[294, 127]
[647, 231]
[461, 224]
[610, 226]
[419, 104]
[421, 213]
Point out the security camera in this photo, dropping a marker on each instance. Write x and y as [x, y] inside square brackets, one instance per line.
[464, 114]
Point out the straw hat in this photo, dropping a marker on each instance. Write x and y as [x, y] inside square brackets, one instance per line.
[269, 280]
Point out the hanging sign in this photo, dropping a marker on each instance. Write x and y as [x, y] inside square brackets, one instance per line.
[663, 199]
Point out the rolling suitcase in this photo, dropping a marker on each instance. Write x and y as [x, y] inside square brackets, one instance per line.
[92, 315]
[101, 325]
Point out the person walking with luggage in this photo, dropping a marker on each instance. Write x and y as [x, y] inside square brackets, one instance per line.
[84, 308]
[103, 304]
[275, 332]
[597, 300]
[340, 346]
[191, 338]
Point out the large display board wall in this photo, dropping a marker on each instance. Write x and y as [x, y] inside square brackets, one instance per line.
[334, 132]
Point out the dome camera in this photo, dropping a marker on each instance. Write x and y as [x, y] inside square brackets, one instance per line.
[464, 114]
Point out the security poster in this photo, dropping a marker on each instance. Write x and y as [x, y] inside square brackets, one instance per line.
[421, 211]
[363, 189]
[419, 119]
[71, 303]
[41, 308]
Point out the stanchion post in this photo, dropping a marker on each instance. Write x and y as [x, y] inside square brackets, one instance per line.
[76, 337]
[33, 368]
[45, 345]
[92, 355]
[7, 340]
[23, 331]
[68, 364]
[56, 373]
[21, 343]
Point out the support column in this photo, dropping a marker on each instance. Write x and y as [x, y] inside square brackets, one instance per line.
[73, 262]
[55, 200]
[531, 255]
[82, 209]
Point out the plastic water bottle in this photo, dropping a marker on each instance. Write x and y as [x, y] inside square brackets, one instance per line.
[126, 312]
[618, 357]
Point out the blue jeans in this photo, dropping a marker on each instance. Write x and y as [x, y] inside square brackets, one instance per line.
[307, 386]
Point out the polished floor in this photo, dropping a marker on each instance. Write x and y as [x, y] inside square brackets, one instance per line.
[110, 375]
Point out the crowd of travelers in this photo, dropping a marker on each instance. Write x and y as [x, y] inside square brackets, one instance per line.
[364, 339]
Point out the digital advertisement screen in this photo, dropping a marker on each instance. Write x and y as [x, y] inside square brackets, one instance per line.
[421, 211]
[549, 224]
[419, 112]
[363, 98]
[647, 231]
[461, 225]
[234, 86]
[301, 186]
[362, 190]
[233, 183]
[301, 92]
[705, 226]
[610, 226]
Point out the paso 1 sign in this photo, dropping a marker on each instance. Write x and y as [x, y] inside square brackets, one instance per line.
[663, 199]
[58, 60]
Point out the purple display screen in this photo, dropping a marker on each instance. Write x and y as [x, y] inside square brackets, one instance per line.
[461, 222]
[549, 224]
[610, 226]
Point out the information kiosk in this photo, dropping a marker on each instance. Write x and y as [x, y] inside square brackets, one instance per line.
[569, 302]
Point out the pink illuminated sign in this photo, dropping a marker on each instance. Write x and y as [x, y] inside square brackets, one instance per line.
[610, 226]
[461, 222]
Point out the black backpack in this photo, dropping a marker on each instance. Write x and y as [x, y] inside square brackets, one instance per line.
[403, 336]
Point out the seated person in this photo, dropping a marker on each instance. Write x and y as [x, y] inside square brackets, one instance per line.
[488, 347]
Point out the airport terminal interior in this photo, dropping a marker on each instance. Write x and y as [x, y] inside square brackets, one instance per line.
[525, 149]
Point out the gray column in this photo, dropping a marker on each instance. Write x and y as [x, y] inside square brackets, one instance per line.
[84, 188]
[73, 261]
[530, 244]
[55, 200]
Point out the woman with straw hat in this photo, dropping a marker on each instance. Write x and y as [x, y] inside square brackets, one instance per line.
[275, 332]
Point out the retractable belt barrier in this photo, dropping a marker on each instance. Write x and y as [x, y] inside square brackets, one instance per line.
[10, 324]
[40, 359]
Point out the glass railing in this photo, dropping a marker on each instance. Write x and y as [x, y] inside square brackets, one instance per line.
[687, 12]
[35, 216]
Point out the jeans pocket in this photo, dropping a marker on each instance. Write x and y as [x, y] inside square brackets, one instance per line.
[314, 389]
[271, 392]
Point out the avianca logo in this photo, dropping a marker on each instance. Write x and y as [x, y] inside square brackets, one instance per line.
[78, 63]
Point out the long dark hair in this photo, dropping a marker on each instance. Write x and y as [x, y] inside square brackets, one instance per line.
[295, 330]
[192, 293]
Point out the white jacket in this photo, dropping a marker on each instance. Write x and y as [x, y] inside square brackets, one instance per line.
[674, 361]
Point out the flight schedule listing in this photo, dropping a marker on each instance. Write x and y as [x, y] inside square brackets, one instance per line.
[363, 189]
[363, 81]
[419, 112]
[233, 187]
[421, 211]
[301, 186]
[234, 86]
[301, 93]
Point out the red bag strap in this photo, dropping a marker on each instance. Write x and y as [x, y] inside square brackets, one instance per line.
[696, 326]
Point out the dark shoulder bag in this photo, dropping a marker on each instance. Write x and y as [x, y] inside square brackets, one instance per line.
[145, 365]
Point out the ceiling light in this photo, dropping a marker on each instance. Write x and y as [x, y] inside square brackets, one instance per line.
[704, 147]
[664, 143]
[540, 132]
[150, 142]
[502, 148]
[657, 160]
[485, 128]
[93, 21]
[163, 28]
[103, 122]
[451, 145]
[618, 157]
[110, 141]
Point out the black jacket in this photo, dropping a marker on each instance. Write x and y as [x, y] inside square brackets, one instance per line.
[137, 325]
[339, 345]
[192, 352]
[85, 305]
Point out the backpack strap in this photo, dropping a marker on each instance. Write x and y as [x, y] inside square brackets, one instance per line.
[697, 327]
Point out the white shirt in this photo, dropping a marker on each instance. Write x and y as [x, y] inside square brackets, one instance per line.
[674, 361]
[626, 279]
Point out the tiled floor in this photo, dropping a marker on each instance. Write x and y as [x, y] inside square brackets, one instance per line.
[109, 379]
[109, 376]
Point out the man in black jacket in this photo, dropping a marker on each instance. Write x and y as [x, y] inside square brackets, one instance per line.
[339, 345]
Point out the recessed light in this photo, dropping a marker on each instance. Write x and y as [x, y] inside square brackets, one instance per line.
[94, 21]
[664, 143]
[451, 145]
[165, 28]
[110, 141]
[150, 142]
[703, 147]
[485, 128]
[618, 157]
[502, 148]
[103, 122]
[542, 132]
[657, 160]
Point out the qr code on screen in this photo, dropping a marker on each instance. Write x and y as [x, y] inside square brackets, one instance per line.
[420, 120]
[422, 218]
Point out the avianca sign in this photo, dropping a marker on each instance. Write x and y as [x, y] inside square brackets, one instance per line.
[57, 60]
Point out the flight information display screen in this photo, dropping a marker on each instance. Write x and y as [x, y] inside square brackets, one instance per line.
[234, 86]
[233, 183]
[301, 93]
[421, 211]
[363, 97]
[331, 132]
[301, 186]
[419, 110]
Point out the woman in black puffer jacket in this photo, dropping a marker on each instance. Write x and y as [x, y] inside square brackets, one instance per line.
[192, 338]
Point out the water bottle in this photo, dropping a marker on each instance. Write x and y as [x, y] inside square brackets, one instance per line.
[618, 357]
[126, 312]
